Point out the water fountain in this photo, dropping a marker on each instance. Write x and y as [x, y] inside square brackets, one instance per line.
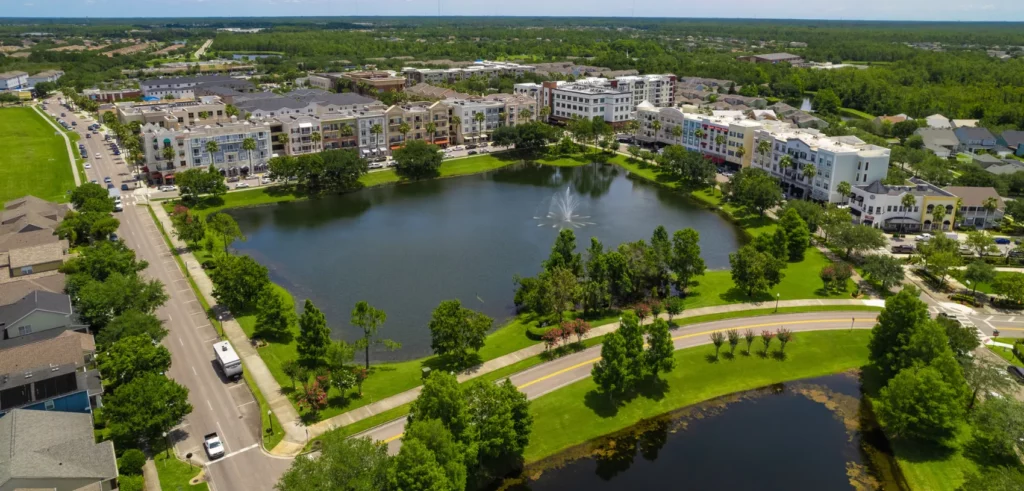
[562, 212]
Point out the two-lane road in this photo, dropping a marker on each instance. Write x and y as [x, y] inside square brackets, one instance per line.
[219, 405]
[547, 377]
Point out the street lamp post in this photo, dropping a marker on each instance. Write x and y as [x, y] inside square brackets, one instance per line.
[777, 302]
[168, 443]
[270, 419]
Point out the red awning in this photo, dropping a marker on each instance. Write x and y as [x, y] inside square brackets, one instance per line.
[170, 175]
[145, 168]
[441, 141]
[393, 147]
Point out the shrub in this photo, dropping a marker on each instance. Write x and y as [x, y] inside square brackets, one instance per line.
[964, 298]
[209, 264]
[131, 483]
[131, 462]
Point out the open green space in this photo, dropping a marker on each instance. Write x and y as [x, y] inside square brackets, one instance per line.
[846, 111]
[982, 287]
[1006, 354]
[175, 474]
[577, 413]
[926, 469]
[34, 159]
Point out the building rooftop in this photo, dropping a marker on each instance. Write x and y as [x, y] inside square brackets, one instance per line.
[12, 291]
[13, 74]
[187, 80]
[919, 188]
[976, 196]
[66, 348]
[58, 303]
[39, 254]
[776, 56]
[52, 445]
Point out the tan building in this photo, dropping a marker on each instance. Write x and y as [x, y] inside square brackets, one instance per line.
[373, 82]
[28, 245]
[417, 115]
[207, 110]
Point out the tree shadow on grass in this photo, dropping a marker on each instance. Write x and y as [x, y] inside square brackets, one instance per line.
[917, 451]
[565, 349]
[779, 355]
[601, 404]
[737, 295]
[653, 388]
[976, 451]
[728, 355]
[711, 358]
[449, 363]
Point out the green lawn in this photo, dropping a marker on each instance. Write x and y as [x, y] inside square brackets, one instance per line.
[982, 287]
[175, 474]
[576, 414]
[846, 111]
[800, 281]
[34, 159]
[1006, 354]
[926, 469]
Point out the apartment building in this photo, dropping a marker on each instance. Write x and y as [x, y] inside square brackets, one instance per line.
[586, 100]
[518, 108]
[184, 87]
[483, 68]
[372, 133]
[45, 76]
[339, 131]
[881, 206]
[973, 210]
[659, 90]
[49, 372]
[724, 139]
[191, 150]
[417, 115]
[16, 80]
[111, 95]
[301, 134]
[836, 159]
[373, 82]
[207, 110]
[469, 129]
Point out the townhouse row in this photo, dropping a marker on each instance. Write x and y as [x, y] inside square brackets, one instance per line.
[177, 136]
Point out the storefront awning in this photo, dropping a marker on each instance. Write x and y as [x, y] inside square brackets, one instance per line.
[395, 147]
[169, 175]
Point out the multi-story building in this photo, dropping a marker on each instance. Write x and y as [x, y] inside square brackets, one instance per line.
[586, 100]
[881, 206]
[518, 108]
[372, 133]
[836, 159]
[207, 110]
[45, 76]
[373, 82]
[15, 80]
[111, 95]
[417, 115]
[470, 129]
[49, 372]
[659, 90]
[191, 149]
[980, 207]
[184, 87]
[724, 139]
[339, 130]
[484, 68]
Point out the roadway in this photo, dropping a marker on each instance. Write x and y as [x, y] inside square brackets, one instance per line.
[219, 405]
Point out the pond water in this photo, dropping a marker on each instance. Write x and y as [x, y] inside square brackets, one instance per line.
[814, 434]
[406, 248]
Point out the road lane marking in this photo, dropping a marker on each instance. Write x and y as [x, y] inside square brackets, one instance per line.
[223, 440]
[182, 343]
[989, 318]
[246, 404]
[232, 454]
[195, 372]
[1011, 319]
[184, 290]
[211, 409]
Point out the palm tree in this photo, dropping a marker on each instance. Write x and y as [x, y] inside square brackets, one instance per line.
[376, 130]
[907, 202]
[785, 163]
[525, 114]
[763, 147]
[316, 137]
[479, 118]
[740, 152]
[656, 126]
[431, 127]
[633, 126]
[937, 215]
[699, 134]
[404, 130]
[990, 205]
[845, 190]
[211, 148]
[249, 145]
[345, 130]
[168, 154]
[809, 172]
[677, 132]
[545, 112]
[456, 122]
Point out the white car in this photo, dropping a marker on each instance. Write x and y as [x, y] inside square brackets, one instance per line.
[214, 447]
[168, 188]
[924, 237]
[266, 180]
[87, 165]
[241, 185]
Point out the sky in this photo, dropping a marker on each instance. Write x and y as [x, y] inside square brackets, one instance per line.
[924, 10]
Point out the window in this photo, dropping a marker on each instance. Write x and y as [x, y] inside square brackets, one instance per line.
[26, 270]
[24, 330]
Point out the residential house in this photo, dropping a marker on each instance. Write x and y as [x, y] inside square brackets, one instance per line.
[938, 121]
[940, 141]
[985, 160]
[1005, 168]
[899, 118]
[49, 371]
[974, 140]
[15, 80]
[29, 247]
[38, 311]
[54, 451]
[973, 209]
[964, 123]
[1014, 140]
[881, 206]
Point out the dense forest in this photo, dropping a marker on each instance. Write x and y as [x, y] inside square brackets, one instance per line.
[961, 81]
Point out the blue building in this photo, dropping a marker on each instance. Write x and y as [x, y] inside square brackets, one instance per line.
[49, 371]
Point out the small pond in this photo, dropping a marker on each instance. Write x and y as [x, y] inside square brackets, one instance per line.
[815, 434]
[405, 248]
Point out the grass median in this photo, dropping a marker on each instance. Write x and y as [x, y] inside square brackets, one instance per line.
[577, 413]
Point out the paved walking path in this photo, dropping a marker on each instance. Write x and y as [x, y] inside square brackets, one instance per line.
[67, 143]
[149, 474]
[287, 415]
[410, 395]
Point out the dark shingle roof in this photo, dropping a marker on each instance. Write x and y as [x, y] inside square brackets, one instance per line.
[969, 133]
[1013, 138]
[38, 300]
[52, 445]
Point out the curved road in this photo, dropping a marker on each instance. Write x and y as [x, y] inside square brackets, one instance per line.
[553, 375]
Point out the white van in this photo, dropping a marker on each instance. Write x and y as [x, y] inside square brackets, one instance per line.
[228, 360]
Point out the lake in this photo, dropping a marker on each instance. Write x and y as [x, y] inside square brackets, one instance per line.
[815, 434]
[405, 248]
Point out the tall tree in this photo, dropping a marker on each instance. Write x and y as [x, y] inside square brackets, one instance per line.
[369, 320]
[352, 464]
[919, 404]
[563, 254]
[886, 270]
[754, 271]
[418, 160]
[685, 260]
[454, 330]
[131, 323]
[891, 335]
[659, 355]
[274, 319]
[797, 234]
[226, 227]
[145, 407]
[442, 399]
[611, 373]
[314, 335]
[238, 281]
[132, 357]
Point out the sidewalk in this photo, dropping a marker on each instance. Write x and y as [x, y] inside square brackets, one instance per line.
[410, 395]
[287, 415]
[150, 475]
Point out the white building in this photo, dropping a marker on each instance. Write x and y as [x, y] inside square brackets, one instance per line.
[372, 144]
[584, 100]
[469, 129]
[45, 76]
[881, 206]
[184, 87]
[484, 68]
[724, 139]
[191, 149]
[836, 159]
[659, 90]
[13, 80]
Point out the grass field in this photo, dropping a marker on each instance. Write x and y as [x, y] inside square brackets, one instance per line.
[34, 160]
[855, 113]
[982, 287]
[576, 414]
[175, 474]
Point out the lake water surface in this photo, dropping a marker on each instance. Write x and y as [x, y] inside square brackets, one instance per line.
[405, 248]
[813, 435]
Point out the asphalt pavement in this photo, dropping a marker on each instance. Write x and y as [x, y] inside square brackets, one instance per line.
[219, 405]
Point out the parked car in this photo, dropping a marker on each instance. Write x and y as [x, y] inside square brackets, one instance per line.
[233, 179]
[924, 237]
[98, 155]
[214, 447]
[87, 165]
[124, 187]
[241, 185]
[110, 185]
[63, 115]
[108, 179]
[88, 135]
[903, 249]
[74, 123]
[266, 180]
[471, 152]
[1002, 240]
[168, 188]
[1017, 372]
[114, 238]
